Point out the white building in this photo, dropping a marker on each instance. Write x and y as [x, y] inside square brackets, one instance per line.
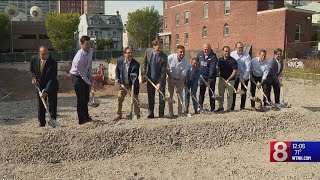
[98, 26]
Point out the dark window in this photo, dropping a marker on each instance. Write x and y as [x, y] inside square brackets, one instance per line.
[43, 36]
[24, 36]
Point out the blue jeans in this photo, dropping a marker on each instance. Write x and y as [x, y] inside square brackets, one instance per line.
[187, 96]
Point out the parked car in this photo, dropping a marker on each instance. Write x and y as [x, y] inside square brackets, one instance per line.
[311, 53]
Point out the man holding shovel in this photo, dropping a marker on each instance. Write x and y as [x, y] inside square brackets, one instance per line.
[154, 68]
[43, 69]
[81, 78]
[228, 70]
[208, 61]
[259, 73]
[127, 65]
[177, 69]
[275, 75]
[244, 62]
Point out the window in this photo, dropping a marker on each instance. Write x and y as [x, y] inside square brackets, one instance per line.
[271, 4]
[205, 10]
[177, 19]
[204, 32]
[298, 32]
[165, 22]
[91, 33]
[186, 17]
[165, 5]
[24, 36]
[43, 36]
[226, 29]
[227, 7]
[296, 2]
[114, 33]
[177, 39]
[96, 33]
[186, 38]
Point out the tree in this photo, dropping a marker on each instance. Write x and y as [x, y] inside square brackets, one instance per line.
[143, 25]
[61, 28]
[4, 25]
[100, 44]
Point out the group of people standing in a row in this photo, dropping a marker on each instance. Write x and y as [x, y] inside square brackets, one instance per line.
[158, 69]
[233, 68]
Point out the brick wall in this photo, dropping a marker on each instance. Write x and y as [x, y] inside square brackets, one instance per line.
[263, 29]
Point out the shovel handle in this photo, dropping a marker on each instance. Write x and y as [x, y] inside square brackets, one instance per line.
[154, 86]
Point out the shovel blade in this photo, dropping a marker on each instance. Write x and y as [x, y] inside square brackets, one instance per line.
[94, 105]
[53, 123]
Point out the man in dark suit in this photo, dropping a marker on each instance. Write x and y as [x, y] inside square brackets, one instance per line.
[275, 64]
[43, 69]
[125, 66]
[154, 67]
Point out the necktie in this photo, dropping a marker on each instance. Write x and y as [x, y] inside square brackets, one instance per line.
[153, 66]
[42, 65]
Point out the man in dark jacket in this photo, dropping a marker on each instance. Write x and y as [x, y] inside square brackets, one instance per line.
[43, 69]
[154, 67]
[275, 64]
[208, 61]
[126, 65]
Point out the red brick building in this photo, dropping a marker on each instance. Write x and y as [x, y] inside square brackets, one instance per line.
[261, 24]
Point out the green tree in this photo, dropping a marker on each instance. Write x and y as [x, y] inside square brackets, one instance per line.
[4, 25]
[61, 28]
[100, 44]
[143, 26]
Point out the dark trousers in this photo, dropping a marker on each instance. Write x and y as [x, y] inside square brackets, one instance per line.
[243, 96]
[82, 90]
[52, 98]
[253, 89]
[276, 89]
[151, 95]
[203, 88]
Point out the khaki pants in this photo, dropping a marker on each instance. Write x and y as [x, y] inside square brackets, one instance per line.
[121, 95]
[222, 87]
[172, 88]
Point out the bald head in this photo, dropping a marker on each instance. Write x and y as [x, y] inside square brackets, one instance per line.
[43, 52]
[206, 49]
[239, 47]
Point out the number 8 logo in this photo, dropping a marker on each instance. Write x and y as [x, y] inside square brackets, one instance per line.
[280, 151]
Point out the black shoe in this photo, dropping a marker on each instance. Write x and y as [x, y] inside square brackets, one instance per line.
[151, 116]
[219, 110]
[42, 125]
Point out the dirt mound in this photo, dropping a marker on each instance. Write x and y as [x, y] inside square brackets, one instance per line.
[91, 144]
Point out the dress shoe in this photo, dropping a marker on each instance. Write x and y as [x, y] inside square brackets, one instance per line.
[151, 116]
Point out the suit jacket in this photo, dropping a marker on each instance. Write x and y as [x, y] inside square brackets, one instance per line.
[273, 73]
[274, 65]
[48, 79]
[134, 67]
[161, 65]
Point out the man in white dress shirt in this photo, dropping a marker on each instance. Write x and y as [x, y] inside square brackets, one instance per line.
[177, 70]
[244, 62]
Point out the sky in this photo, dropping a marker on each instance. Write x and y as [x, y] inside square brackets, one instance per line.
[111, 7]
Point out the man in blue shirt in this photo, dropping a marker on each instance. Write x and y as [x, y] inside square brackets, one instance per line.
[191, 84]
[208, 61]
[81, 78]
